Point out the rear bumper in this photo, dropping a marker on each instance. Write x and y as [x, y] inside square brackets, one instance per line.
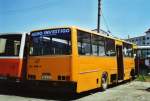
[51, 86]
[10, 84]
[7, 80]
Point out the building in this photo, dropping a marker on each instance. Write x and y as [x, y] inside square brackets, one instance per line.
[141, 40]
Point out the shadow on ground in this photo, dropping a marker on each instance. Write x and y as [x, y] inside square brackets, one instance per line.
[148, 89]
[38, 94]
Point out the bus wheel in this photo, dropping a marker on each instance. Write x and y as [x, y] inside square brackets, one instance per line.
[104, 83]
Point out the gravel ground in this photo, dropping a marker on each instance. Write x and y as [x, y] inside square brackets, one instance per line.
[131, 91]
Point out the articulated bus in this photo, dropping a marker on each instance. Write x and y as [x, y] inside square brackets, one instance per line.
[12, 56]
[78, 60]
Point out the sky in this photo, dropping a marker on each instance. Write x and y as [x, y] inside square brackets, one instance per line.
[121, 17]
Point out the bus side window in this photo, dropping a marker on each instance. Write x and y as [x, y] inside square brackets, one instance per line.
[84, 43]
[127, 50]
[98, 45]
[110, 47]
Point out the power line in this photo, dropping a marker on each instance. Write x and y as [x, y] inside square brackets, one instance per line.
[106, 24]
[100, 13]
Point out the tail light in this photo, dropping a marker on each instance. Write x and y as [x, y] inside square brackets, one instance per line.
[63, 78]
[31, 77]
[46, 76]
[68, 78]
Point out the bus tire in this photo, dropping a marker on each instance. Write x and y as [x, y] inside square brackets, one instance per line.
[104, 83]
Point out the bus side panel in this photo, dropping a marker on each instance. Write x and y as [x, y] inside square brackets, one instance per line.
[10, 68]
[128, 66]
[91, 69]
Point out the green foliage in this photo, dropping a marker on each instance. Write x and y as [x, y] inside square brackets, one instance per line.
[143, 78]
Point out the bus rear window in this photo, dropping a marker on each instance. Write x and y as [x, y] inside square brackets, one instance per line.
[51, 42]
[10, 45]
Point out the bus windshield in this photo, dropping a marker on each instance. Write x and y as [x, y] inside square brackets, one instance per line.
[51, 42]
[10, 45]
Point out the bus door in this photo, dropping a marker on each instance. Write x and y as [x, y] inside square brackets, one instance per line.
[120, 67]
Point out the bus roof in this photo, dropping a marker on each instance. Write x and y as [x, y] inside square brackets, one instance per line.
[12, 33]
[104, 35]
[89, 31]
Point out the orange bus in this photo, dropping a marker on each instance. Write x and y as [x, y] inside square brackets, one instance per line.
[12, 56]
[78, 60]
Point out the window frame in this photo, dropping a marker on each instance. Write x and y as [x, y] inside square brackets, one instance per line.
[91, 44]
[102, 40]
[20, 45]
[115, 54]
[128, 45]
[81, 43]
[57, 38]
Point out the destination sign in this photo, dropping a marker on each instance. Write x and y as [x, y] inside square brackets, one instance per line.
[51, 32]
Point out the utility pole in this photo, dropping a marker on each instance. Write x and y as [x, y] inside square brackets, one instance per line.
[99, 16]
